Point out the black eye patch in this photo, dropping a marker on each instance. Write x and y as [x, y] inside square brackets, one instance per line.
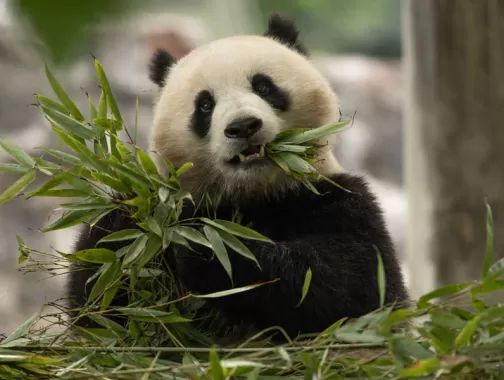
[276, 97]
[201, 118]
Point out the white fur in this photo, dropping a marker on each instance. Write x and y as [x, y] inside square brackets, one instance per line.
[224, 67]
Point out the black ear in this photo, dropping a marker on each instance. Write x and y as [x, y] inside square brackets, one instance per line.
[284, 31]
[160, 63]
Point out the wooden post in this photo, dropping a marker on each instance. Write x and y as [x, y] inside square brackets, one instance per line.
[454, 128]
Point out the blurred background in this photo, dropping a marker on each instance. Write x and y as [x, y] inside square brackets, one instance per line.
[357, 44]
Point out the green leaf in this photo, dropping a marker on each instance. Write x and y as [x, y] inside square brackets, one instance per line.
[63, 96]
[146, 162]
[184, 168]
[63, 156]
[381, 279]
[90, 206]
[134, 176]
[442, 292]
[112, 182]
[13, 168]
[96, 255]
[135, 250]
[70, 219]
[66, 193]
[280, 161]
[49, 103]
[236, 229]
[421, 368]
[82, 150]
[152, 315]
[219, 248]
[313, 134]
[69, 125]
[467, 332]
[152, 248]
[108, 92]
[192, 235]
[17, 153]
[18, 186]
[107, 278]
[296, 163]
[306, 286]
[107, 323]
[216, 371]
[237, 246]
[497, 269]
[288, 134]
[288, 148]
[123, 235]
[56, 180]
[489, 242]
[22, 330]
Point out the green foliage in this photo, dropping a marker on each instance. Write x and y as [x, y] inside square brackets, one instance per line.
[63, 25]
[166, 335]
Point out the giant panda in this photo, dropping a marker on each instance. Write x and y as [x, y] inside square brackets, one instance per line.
[217, 108]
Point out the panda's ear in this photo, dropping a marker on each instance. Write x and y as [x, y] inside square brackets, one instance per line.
[285, 31]
[160, 63]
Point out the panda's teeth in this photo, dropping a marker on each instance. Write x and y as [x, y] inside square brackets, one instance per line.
[242, 157]
[261, 151]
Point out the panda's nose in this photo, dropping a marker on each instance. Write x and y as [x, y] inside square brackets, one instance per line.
[243, 128]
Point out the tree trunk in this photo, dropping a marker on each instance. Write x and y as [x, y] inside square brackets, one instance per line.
[454, 128]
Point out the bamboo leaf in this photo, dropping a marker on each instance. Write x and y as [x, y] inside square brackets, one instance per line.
[123, 235]
[63, 96]
[17, 153]
[381, 279]
[216, 371]
[489, 242]
[467, 332]
[296, 163]
[18, 186]
[236, 245]
[9, 168]
[63, 156]
[134, 176]
[70, 219]
[107, 278]
[312, 133]
[96, 255]
[306, 285]
[49, 103]
[193, 235]
[65, 193]
[146, 162]
[102, 77]
[219, 249]
[236, 229]
[22, 330]
[442, 292]
[135, 250]
[152, 315]
[69, 125]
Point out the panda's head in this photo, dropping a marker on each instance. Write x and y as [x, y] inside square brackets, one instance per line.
[221, 103]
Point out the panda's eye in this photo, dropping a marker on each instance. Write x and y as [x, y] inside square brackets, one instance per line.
[206, 106]
[262, 88]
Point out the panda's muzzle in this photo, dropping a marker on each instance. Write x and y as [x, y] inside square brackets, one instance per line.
[245, 129]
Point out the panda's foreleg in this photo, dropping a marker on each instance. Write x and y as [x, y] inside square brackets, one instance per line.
[344, 282]
[88, 238]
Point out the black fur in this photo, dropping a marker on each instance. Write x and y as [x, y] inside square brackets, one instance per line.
[337, 235]
[276, 97]
[201, 119]
[285, 32]
[159, 65]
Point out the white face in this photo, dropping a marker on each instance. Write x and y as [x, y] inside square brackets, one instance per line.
[224, 101]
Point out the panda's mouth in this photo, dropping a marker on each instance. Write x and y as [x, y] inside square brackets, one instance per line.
[252, 153]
